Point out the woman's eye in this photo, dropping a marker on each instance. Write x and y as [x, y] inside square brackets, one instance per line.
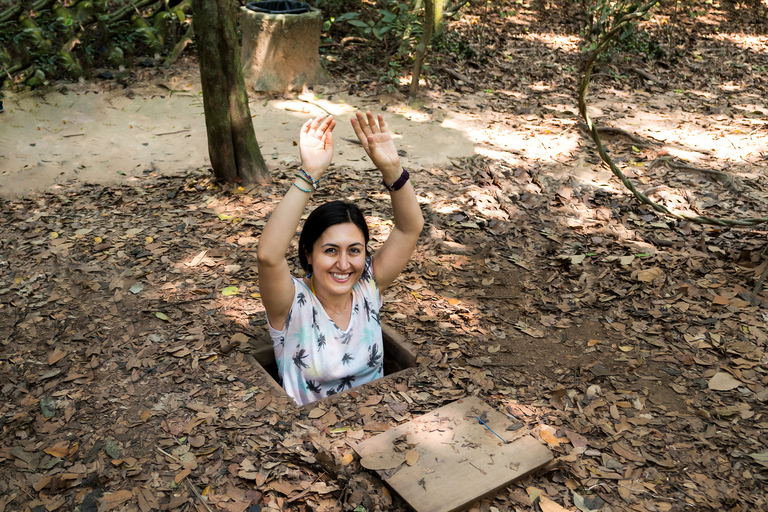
[330, 250]
[355, 250]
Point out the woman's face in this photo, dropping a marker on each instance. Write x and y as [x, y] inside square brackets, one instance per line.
[338, 258]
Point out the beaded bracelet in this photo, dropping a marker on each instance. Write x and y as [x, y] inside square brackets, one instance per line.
[315, 183]
[306, 180]
[302, 189]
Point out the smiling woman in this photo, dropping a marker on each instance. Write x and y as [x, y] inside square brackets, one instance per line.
[325, 327]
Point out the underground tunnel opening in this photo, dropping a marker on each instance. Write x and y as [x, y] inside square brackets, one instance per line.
[399, 357]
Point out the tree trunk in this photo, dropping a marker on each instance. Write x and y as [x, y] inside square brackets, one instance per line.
[232, 145]
[433, 16]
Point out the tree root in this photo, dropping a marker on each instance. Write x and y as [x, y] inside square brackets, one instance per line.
[610, 130]
[726, 179]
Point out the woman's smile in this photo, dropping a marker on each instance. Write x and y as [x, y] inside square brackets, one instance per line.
[337, 259]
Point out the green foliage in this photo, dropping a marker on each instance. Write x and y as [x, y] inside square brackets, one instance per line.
[69, 38]
[453, 44]
[398, 22]
[604, 15]
[392, 28]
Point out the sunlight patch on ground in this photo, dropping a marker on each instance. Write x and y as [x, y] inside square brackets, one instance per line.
[417, 116]
[721, 138]
[447, 208]
[757, 44]
[315, 107]
[560, 42]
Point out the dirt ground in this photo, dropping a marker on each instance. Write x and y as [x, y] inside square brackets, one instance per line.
[630, 343]
[100, 132]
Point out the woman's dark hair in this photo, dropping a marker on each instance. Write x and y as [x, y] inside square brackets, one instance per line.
[323, 217]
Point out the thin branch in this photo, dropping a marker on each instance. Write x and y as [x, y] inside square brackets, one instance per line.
[197, 495]
[759, 285]
[621, 21]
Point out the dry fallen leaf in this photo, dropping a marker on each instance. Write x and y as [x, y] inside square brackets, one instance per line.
[547, 505]
[723, 381]
[56, 356]
[316, 413]
[530, 331]
[411, 457]
[196, 441]
[549, 438]
[649, 274]
[625, 452]
[182, 475]
[114, 499]
[60, 450]
[382, 461]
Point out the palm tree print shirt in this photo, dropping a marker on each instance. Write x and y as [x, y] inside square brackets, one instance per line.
[315, 358]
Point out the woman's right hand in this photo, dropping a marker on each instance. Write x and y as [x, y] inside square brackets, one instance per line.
[316, 145]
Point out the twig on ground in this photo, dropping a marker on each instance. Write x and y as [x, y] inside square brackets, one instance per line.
[316, 105]
[643, 73]
[759, 285]
[302, 493]
[457, 75]
[166, 454]
[209, 296]
[610, 130]
[352, 39]
[168, 133]
[197, 494]
[725, 178]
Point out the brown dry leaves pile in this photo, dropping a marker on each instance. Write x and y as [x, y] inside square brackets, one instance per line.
[642, 366]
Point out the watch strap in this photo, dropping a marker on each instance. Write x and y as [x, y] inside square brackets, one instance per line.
[398, 184]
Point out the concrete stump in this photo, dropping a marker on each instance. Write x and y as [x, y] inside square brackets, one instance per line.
[281, 51]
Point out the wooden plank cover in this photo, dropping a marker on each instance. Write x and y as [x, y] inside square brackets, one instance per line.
[459, 460]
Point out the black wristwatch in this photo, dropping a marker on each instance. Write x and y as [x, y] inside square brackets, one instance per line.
[397, 185]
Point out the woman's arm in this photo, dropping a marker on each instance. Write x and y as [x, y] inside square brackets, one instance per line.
[394, 254]
[275, 284]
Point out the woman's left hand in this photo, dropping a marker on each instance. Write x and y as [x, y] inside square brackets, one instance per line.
[377, 142]
[316, 145]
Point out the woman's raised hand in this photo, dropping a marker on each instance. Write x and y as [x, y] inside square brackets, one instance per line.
[316, 145]
[377, 143]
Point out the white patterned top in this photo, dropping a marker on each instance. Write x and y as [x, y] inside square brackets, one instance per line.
[315, 358]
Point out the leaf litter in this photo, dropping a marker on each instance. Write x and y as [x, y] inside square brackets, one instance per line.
[628, 343]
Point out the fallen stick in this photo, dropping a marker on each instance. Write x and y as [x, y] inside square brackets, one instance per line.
[643, 73]
[172, 133]
[618, 131]
[457, 75]
[197, 494]
[759, 285]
